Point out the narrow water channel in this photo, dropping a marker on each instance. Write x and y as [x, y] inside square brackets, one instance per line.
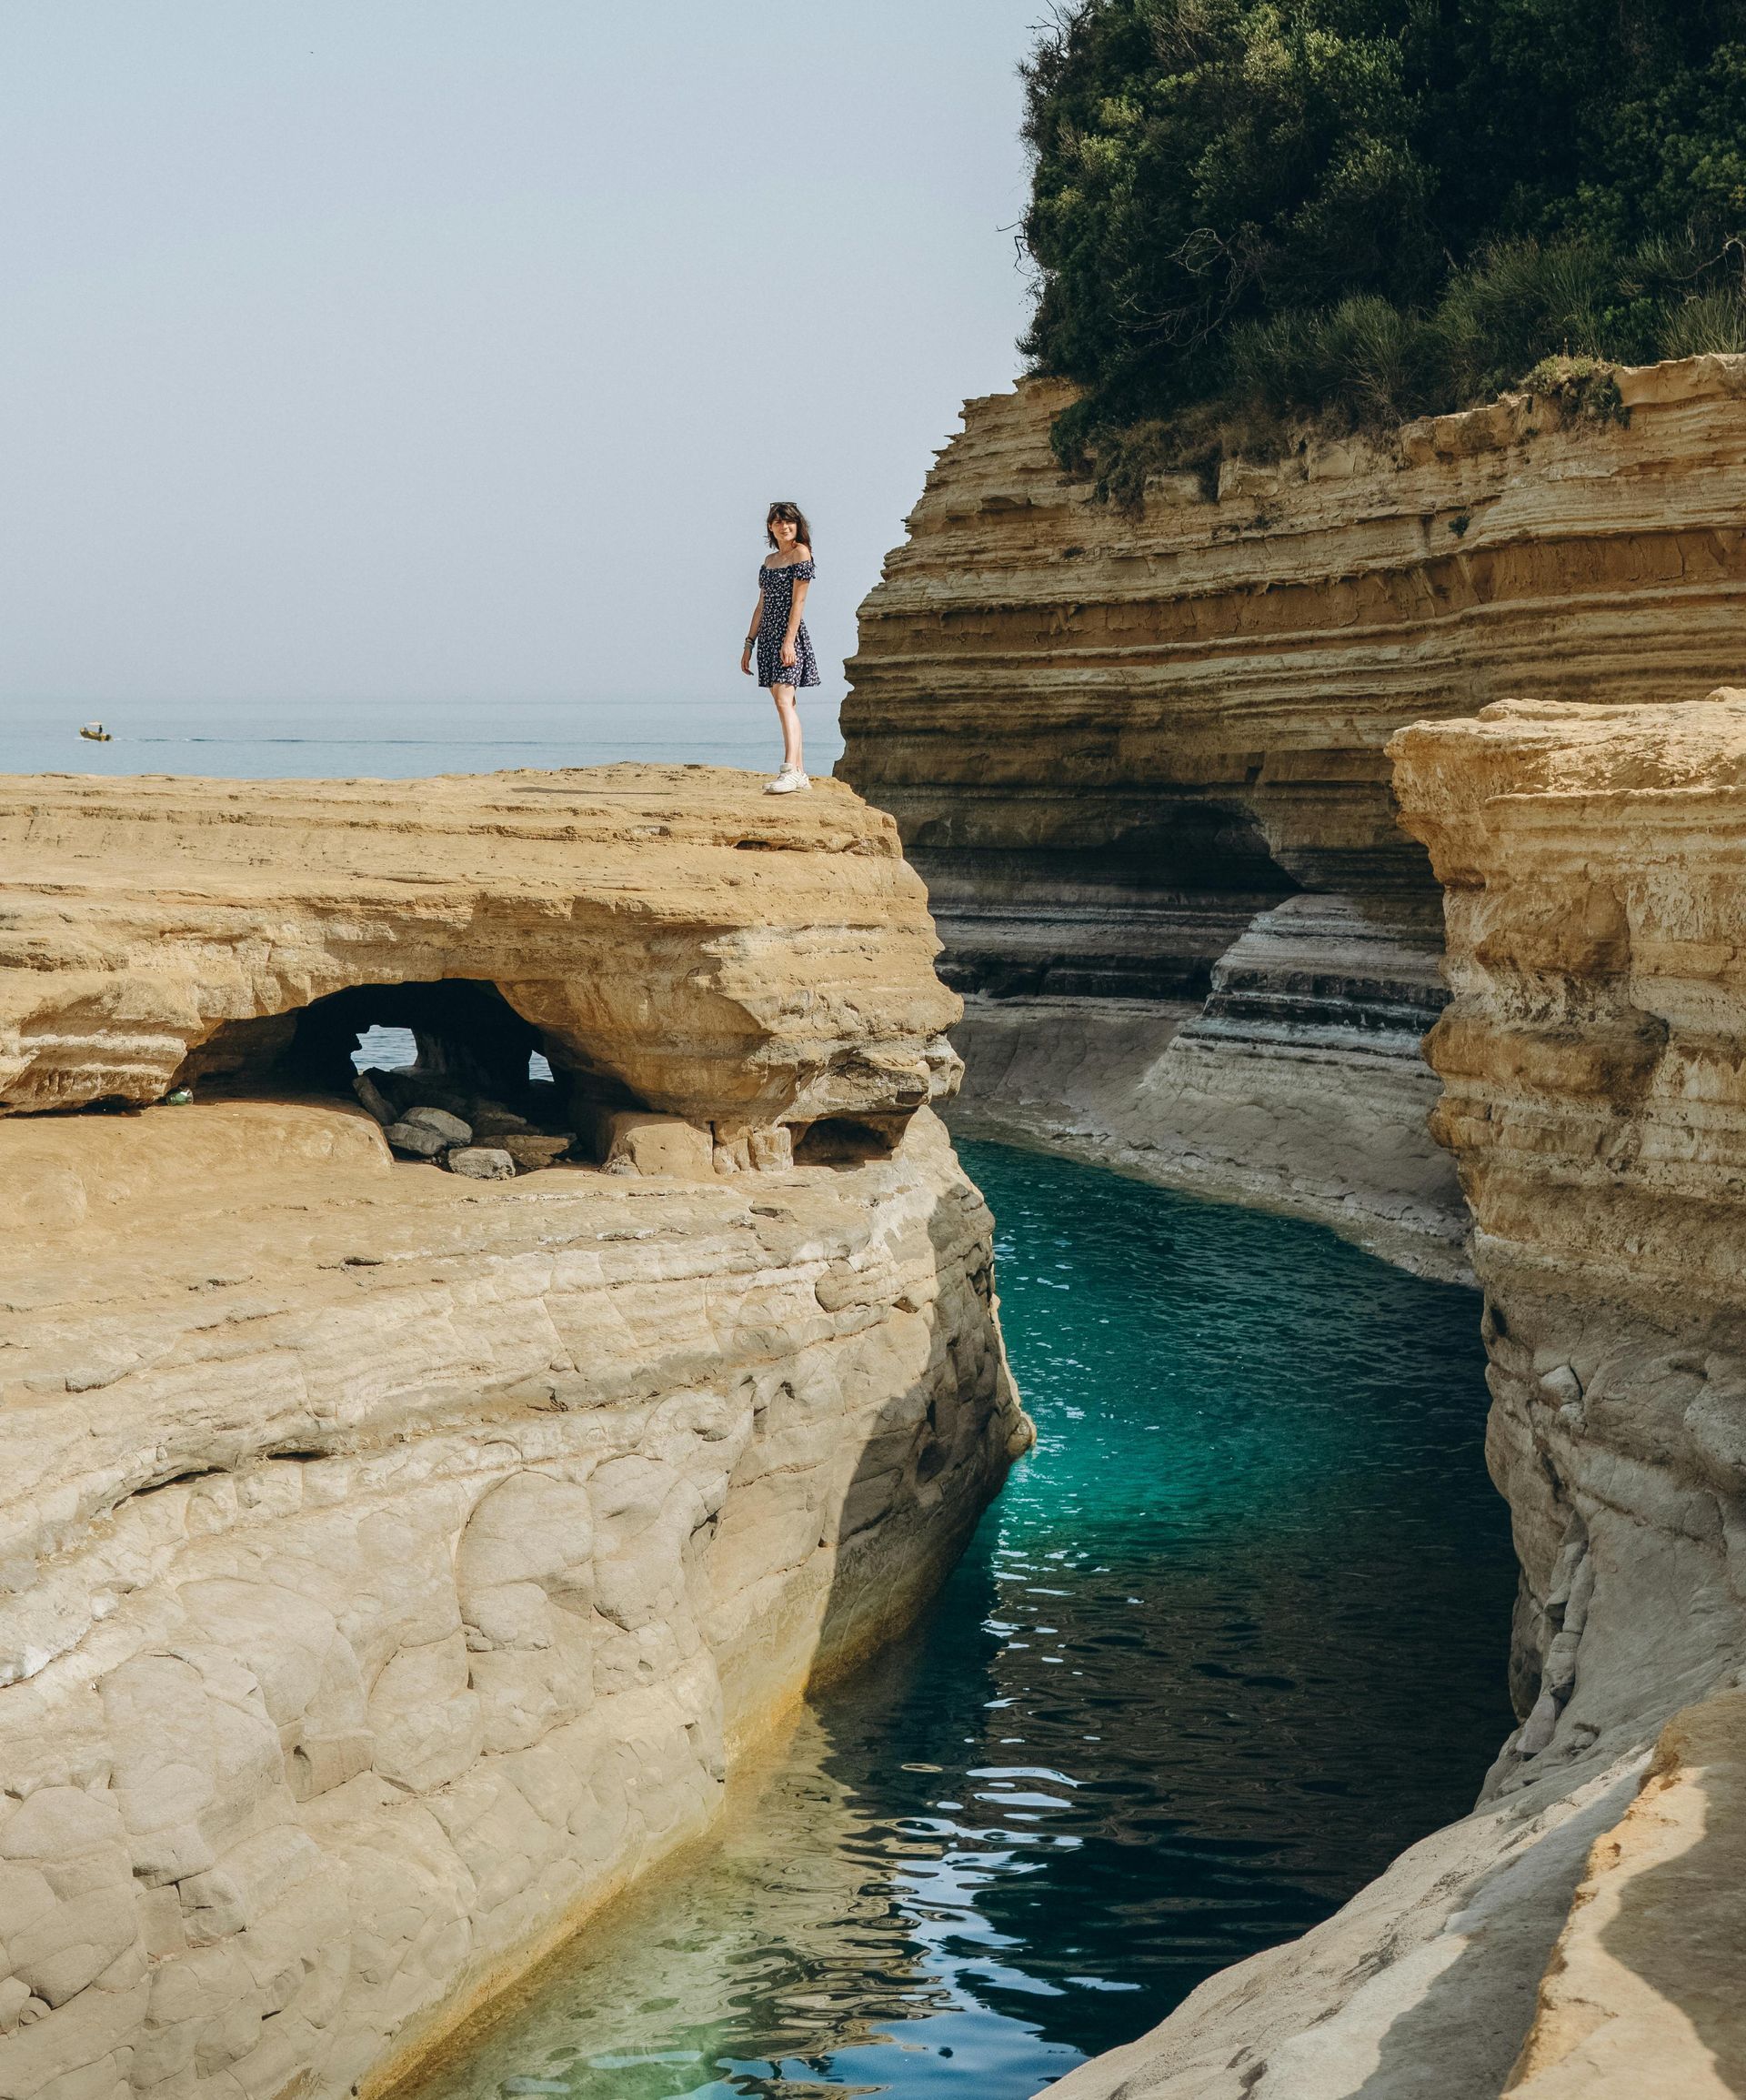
[1233, 1636]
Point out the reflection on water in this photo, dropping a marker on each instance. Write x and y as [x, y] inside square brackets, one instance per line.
[1231, 1638]
[775, 1962]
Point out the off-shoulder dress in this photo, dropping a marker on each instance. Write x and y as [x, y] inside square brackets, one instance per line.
[777, 587]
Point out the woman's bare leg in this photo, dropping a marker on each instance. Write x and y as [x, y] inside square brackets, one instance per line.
[790, 719]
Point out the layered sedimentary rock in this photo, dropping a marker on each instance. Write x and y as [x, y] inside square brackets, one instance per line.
[1583, 1933]
[1295, 1083]
[393, 1563]
[667, 936]
[1115, 745]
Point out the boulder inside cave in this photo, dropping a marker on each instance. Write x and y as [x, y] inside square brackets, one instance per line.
[450, 1048]
[456, 1076]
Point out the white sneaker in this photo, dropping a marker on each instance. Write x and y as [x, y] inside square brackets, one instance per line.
[787, 782]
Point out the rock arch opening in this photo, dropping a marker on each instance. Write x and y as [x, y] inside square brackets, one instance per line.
[449, 1067]
[456, 1076]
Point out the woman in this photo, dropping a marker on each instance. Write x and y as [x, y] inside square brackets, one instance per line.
[785, 658]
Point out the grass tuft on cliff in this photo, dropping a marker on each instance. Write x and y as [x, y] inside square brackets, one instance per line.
[1251, 217]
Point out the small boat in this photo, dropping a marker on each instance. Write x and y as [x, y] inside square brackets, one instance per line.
[94, 732]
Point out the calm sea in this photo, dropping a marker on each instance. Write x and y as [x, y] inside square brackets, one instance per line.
[336, 741]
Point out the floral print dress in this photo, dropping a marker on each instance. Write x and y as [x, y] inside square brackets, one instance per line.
[777, 587]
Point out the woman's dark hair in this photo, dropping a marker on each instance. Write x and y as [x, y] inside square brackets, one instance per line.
[790, 514]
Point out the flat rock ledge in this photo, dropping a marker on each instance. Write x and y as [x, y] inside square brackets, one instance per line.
[394, 1562]
[680, 941]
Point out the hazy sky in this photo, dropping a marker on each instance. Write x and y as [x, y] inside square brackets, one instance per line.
[437, 348]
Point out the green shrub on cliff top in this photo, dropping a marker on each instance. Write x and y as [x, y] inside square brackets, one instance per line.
[1248, 212]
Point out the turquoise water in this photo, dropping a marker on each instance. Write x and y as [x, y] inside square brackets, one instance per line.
[1233, 1637]
[1234, 1634]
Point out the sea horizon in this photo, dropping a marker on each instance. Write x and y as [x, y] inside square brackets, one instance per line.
[402, 739]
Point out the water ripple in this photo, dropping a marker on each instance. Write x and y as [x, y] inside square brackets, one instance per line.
[1233, 1636]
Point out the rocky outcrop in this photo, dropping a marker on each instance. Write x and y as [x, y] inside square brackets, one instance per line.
[1121, 751]
[1582, 1933]
[392, 1563]
[1642, 1991]
[668, 938]
[1593, 1096]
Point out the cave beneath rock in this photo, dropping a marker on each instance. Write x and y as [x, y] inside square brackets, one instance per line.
[454, 1046]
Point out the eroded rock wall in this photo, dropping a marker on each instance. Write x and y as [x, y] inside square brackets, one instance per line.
[1120, 749]
[1582, 1933]
[1595, 866]
[669, 931]
[393, 1563]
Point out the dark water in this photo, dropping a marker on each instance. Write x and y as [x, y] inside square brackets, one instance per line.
[1233, 1637]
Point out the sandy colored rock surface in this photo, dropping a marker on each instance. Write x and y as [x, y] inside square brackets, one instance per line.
[1644, 1990]
[393, 1561]
[1576, 1935]
[1421, 1988]
[1594, 1098]
[394, 1564]
[1198, 700]
[668, 930]
[1117, 748]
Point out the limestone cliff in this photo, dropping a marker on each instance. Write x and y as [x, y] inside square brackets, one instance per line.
[1595, 867]
[392, 1563]
[668, 937]
[1582, 1932]
[1139, 760]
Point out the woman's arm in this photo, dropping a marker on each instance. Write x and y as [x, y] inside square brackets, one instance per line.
[800, 589]
[751, 636]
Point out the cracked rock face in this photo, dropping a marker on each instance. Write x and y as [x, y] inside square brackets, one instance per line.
[394, 1564]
